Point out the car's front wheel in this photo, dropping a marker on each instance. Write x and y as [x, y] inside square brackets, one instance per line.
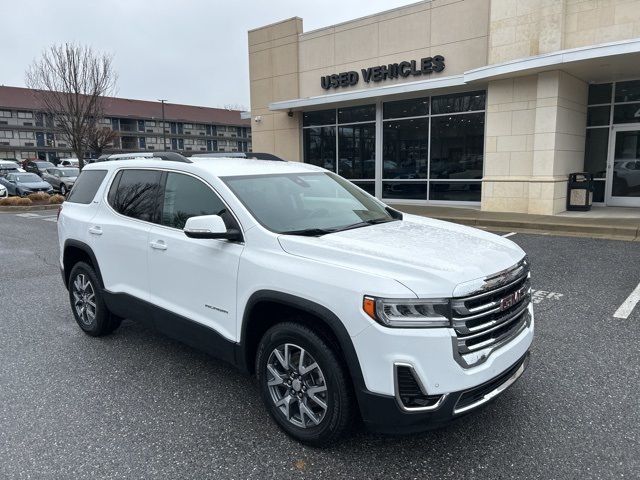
[63, 190]
[304, 385]
[87, 303]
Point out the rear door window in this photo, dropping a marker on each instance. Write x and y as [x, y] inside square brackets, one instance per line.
[134, 193]
[86, 186]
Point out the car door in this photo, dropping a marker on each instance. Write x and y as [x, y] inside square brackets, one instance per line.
[193, 278]
[49, 176]
[119, 233]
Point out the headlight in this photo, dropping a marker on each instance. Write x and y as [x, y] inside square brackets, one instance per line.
[408, 313]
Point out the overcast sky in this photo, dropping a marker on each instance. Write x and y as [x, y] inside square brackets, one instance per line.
[187, 51]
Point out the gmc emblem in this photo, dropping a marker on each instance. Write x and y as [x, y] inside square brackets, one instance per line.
[510, 300]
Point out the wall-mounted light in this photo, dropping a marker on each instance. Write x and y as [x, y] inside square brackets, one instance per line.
[290, 113]
[258, 119]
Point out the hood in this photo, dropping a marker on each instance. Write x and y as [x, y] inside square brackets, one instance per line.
[33, 185]
[430, 257]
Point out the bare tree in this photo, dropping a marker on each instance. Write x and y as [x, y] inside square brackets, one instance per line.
[71, 82]
[99, 138]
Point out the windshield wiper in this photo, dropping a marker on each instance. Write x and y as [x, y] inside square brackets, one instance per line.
[309, 232]
[373, 221]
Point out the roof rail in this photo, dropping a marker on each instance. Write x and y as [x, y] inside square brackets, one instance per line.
[169, 156]
[249, 155]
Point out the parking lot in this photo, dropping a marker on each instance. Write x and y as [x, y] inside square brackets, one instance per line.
[138, 405]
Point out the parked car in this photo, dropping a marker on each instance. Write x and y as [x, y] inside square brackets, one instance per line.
[3, 191]
[70, 162]
[23, 184]
[37, 166]
[7, 166]
[61, 179]
[333, 299]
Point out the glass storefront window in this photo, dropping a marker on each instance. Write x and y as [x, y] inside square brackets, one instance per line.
[414, 107]
[627, 91]
[595, 151]
[626, 113]
[459, 102]
[369, 187]
[364, 113]
[320, 147]
[405, 190]
[357, 151]
[597, 116]
[405, 151]
[457, 146]
[458, 191]
[319, 117]
[599, 93]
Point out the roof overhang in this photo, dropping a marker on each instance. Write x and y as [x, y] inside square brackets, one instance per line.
[599, 63]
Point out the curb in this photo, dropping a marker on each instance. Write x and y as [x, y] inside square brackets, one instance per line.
[27, 208]
[618, 232]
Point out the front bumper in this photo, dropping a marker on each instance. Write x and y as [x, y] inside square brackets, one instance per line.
[381, 413]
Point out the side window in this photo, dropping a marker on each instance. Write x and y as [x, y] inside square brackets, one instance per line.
[186, 197]
[134, 193]
[85, 188]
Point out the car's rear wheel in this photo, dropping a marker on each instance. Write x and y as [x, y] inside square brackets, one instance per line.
[87, 303]
[304, 385]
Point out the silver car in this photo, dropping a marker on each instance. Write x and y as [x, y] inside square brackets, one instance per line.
[61, 179]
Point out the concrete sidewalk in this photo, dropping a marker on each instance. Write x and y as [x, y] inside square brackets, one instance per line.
[601, 222]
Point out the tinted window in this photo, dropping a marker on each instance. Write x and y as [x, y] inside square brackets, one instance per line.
[598, 115]
[134, 193]
[320, 117]
[86, 186]
[459, 102]
[356, 147]
[186, 197]
[415, 107]
[365, 113]
[457, 145]
[600, 93]
[628, 91]
[320, 146]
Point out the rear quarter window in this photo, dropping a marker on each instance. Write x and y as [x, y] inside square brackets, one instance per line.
[86, 186]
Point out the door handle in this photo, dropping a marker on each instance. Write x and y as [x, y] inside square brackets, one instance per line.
[158, 245]
[95, 230]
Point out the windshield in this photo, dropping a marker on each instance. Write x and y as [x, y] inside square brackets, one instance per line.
[27, 178]
[70, 172]
[306, 203]
[44, 164]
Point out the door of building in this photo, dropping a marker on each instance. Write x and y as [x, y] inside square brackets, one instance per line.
[623, 167]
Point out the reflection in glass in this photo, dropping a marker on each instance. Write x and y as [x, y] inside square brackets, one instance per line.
[459, 102]
[595, 151]
[369, 187]
[458, 191]
[626, 165]
[134, 193]
[598, 191]
[319, 117]
[361, 113]
[628, 91]
[405, 148]
[357, 151]
[405, 190]
[414, 107]
[320, 147]
[627, 113]
[457, 144]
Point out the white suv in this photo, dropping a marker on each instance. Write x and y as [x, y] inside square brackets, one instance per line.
[343, 307]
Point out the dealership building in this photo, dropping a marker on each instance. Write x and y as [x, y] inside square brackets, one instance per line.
[488, 103]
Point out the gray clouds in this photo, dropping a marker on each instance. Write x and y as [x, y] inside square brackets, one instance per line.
[187, 51]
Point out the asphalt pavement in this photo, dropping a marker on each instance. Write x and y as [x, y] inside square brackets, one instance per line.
[138, 405]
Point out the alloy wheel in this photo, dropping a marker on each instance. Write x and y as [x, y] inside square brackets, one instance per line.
[84, 299]
[297, 385]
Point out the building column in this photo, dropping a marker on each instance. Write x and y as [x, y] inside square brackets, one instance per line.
[534, 138]
[273, 73]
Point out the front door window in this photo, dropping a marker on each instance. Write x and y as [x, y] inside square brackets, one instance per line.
[624, 165]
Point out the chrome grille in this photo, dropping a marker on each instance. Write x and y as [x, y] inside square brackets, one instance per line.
[491, 316]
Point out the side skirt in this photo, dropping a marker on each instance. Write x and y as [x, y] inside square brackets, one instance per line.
[174, 326]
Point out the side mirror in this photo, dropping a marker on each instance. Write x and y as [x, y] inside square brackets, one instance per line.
[209, 226]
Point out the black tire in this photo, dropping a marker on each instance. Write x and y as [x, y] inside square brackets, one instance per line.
[337, 418]
[63, 190]
[102, 322]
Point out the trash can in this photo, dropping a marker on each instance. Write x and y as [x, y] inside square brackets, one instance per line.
[580, 191]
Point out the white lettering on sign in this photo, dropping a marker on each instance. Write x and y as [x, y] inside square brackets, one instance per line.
[538, 296]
